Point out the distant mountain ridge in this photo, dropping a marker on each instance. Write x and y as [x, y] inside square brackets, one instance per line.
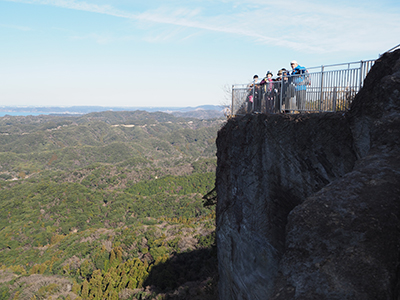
[204, 111]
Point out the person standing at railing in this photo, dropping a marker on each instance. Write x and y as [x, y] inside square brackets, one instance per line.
[298, 79]
[253, 97]
[281, 86]
[268, 89]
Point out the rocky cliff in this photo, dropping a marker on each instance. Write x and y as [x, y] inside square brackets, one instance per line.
[309, 205]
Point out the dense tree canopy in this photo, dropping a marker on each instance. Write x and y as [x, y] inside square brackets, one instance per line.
[107, 201]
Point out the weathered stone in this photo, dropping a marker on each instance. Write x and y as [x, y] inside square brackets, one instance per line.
[308, 205]
[266, 166]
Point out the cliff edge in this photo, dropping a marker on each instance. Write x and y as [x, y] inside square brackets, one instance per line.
[309, 205]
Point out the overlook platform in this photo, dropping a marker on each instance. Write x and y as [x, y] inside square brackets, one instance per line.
[319, 89]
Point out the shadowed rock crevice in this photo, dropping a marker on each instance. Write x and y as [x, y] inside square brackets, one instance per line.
[308, 205]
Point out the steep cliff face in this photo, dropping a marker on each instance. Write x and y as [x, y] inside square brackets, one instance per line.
[308, 205]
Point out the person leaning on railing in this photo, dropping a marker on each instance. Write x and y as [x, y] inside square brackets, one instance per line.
[299, 81]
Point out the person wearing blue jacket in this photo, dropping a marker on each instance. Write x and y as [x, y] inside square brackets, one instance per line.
[298, 79]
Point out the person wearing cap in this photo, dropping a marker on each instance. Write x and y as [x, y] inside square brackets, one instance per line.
[267, 79]
[282, 75]
[299, 81]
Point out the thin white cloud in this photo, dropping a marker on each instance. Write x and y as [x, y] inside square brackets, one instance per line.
[240, 24]
[79, 5]
[306, 25]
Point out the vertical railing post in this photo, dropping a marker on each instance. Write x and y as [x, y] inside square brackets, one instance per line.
[321, 95]
[361, 73]
[281, 94]
[335, 98]
[254, 100]
[232, 105]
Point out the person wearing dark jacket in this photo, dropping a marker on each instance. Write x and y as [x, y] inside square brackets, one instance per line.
[281, 86]
[253, 97]
[267, 87]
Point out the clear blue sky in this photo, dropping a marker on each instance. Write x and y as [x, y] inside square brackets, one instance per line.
[175, 53]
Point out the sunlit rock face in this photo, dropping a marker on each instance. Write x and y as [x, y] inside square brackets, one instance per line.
[308, 205]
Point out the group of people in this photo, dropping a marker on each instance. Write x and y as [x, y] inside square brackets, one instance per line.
[265, 96]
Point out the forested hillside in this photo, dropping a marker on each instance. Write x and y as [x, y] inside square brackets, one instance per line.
[107, 206]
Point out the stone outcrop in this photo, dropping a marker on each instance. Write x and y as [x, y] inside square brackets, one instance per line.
[309, 205]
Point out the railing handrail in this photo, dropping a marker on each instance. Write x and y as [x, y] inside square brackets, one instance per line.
[392, 49]
[322, 67]
[342, 64]
[322, 90]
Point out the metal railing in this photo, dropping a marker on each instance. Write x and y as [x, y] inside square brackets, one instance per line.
[392, 49]
[319, 89]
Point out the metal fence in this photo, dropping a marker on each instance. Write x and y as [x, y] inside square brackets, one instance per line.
[318, 89]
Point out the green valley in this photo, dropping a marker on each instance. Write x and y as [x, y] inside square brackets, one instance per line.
[107, 206]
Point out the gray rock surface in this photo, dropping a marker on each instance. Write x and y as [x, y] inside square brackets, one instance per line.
[309, 205]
